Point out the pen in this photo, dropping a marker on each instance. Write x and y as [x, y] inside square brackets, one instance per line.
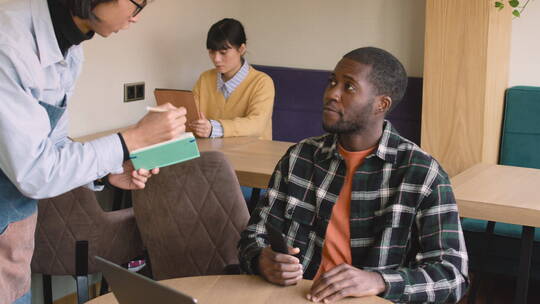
[155, 109]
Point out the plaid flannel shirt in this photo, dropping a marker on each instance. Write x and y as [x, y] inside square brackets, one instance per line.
[404, 218]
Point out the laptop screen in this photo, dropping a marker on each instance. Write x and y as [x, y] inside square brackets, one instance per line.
[133, 288]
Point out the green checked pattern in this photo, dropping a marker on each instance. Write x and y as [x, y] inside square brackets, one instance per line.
[404, 219]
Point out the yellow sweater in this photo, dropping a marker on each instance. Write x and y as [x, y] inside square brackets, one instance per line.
[247, 111]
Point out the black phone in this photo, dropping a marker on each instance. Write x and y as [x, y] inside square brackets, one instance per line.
[276, 239]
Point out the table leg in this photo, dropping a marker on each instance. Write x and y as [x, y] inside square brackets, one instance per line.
[122, 199]
[471, 298]
[81, 271]
[104, 287]
[527, 242]
[118, 199]
[47, 289]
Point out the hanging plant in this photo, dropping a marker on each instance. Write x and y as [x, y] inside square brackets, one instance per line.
[514, 4]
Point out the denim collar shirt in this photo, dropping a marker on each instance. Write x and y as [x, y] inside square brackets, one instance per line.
[404, 221]
[228, 87]
[36, 78]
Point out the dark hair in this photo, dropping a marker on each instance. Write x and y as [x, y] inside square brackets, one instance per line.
[387, 75]
[83, 8]
[224, 34]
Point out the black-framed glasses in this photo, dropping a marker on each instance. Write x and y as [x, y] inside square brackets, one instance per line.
[139, 7]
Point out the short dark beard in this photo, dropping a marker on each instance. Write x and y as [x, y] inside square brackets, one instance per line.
[355, 126]
[343, 127]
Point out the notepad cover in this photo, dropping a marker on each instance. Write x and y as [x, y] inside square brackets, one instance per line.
[166, 153]
[179, 98]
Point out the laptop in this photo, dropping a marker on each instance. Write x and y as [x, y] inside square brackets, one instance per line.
[133, 288]
[179, 98]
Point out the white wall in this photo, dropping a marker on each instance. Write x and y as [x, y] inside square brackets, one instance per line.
[525, 48]
[317, 33]
[167, 47]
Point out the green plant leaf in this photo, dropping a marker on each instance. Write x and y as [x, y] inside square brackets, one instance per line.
[513, 3]
[499, 4]
[516, 13]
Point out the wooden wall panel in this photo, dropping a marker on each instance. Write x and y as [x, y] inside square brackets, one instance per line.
[465, 75]
[498, 66]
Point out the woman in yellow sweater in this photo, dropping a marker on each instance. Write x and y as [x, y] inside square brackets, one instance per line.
[234, 98]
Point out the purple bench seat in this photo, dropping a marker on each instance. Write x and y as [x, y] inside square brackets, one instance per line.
[298, 104]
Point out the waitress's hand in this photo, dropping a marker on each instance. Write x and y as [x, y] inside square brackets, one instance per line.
[202, 127]
[156, 127]
[131, 179]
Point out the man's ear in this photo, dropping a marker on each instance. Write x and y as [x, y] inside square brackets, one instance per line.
[384, 103]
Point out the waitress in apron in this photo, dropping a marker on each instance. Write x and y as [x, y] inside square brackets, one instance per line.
[40, 60]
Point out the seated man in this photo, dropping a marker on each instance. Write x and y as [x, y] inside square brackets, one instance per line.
[364, 210]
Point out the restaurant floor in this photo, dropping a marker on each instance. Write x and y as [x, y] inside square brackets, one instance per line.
[499, 289]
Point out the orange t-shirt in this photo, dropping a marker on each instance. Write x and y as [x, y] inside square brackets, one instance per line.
[337, 243]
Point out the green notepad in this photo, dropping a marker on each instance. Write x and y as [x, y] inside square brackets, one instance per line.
[166, 153]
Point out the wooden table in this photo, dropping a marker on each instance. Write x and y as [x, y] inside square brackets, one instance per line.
[242, 289]
[253, 159]
[503, 194]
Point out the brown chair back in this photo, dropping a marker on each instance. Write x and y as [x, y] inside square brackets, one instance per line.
[190, 217]
[77, 216]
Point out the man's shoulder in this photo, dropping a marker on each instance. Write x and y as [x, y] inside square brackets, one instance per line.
[309, 147]
[418, 161]
[411, 149]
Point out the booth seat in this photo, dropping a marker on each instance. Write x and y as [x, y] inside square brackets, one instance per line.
[298, 104]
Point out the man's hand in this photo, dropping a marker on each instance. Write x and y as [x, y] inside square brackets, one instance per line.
[346, 281]
[156, 127]
[279, 268]
[131, 179]
[202, 127]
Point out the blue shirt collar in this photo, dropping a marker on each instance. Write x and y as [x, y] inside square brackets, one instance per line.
[228, 87]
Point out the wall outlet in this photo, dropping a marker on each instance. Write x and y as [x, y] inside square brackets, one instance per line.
[134, 91]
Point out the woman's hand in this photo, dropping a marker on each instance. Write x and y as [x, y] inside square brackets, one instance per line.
[156, 127]
[131, 179]
[202, 127]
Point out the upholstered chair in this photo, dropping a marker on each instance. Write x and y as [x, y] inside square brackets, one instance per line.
[190, 217]
[73, 228]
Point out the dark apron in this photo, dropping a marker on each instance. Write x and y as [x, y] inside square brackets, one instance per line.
[17, 227]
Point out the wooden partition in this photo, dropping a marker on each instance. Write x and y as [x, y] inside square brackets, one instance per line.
[467, 51]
